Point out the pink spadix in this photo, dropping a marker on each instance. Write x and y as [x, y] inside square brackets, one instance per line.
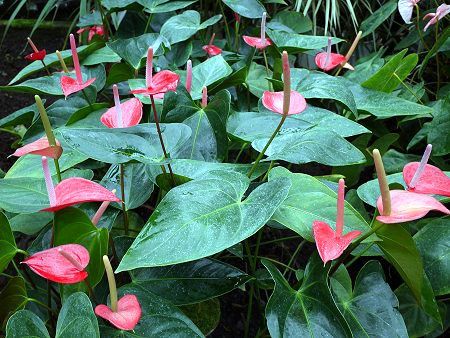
[331, 244]
[68, 84]
[188, 75]
[421, 168]
[48, 182]
[122, 115]
[260, 42]
[101, 210]
[204, 97]
[117, 105]
[149, 68]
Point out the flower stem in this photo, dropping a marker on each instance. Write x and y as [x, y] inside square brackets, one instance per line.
[158, 129]
[267, 69]
[227, 29]
[111, 283]
[45, 67]
[122, 190]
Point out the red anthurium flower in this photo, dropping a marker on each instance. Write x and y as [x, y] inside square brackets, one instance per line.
[161, 82]
[328, 61]
[74, 190]
[37, 54]
[441, 11]
[259, 42]
[274, 102]
[211, 49]
[122, 115]
[63, 264]
[94, 30]
[70, 85]
[408, 206]
[331, 244]
[127, 315]
[40, 147]
[425, 178]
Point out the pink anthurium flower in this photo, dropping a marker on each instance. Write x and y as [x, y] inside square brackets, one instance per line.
[74, 190]
[274, 102]
[331, 244]
[63, 264]
[441, 11]
[40, 147]
[408, 206]
[122, 115]
[425, 178]
[204, 97]
[37, 54]
[127, 315]
[161, 82]
[94, 30]
[406, 8]
[210, 48]
[328, 61]
[188, 75]
[259, 42]
[70, 85]
[124, 313]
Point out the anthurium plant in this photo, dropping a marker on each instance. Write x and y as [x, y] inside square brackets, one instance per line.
[228, 168]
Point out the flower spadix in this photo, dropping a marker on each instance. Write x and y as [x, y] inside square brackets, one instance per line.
[74, 190]
[189, 75]
[425, 178]
[63, 264]
[158, 83]
[122, 115]
[70, 85]
[210, 48]
[260, 42]
[398, 206]
[328, 60]
[37, 54]
[287, 102]
[332, 243]
[124, 313]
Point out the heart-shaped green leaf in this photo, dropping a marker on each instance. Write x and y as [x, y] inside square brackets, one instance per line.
[25, 323]
[249, 9]
[14, 297]
[203, 217]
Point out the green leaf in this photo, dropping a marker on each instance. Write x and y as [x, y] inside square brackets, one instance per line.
[163, 6]
[364, 69]
[8, 248]
[191, 282]
[110, 145]
[443, 38]
[371, 307]
[400, 250]
[181, 27]
[77, 318]
[433, 242]
[313, 145]
[417, 321]
[309, 200]
[160, 318]
[102, 55]
[133, 50]
[135, 179]
[209, 72]
[73, 226]
[389, 77]
[369, 25]
[208, 141]
[436, 130]
[249, 9]
[206, 315]
[14, 297]
[23, 195]
[23, 116]
[383, 105]
[296, 43]
[203, 217]
[30, 224]
[256, 79]
[318, 85]
[309, 311]
[298, 22]
[25, 323]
